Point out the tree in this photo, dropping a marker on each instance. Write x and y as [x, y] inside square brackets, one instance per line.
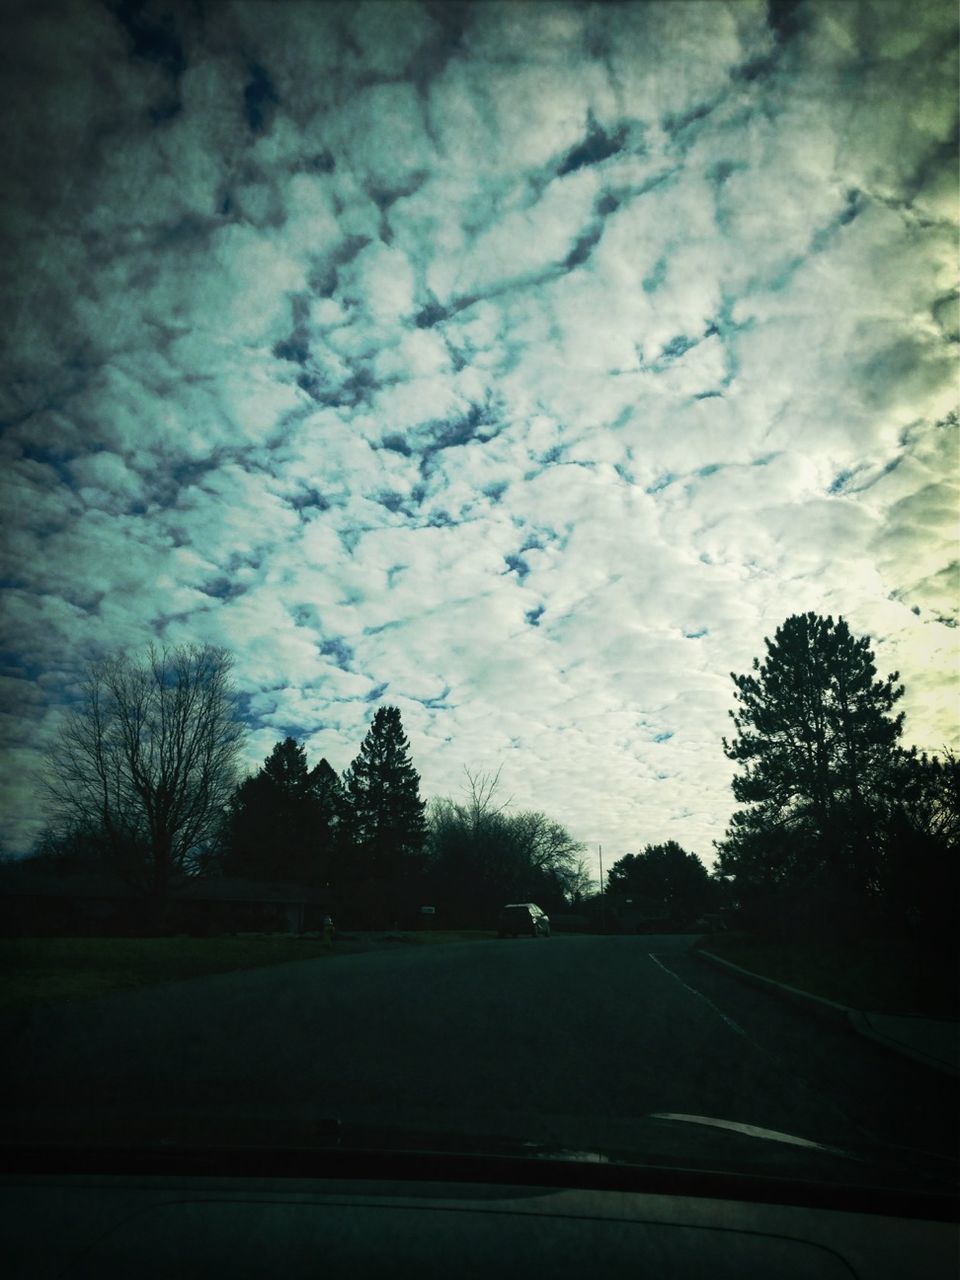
[921, 867]
[147, 760]
[383, 791]
[670, 875]
[580, 883]
[817, 744]
[285, 822]
[480, 856]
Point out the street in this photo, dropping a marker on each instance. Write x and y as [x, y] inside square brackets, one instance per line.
[571, 1040]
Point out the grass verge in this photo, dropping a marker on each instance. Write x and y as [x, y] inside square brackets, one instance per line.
[877, 977]
[40, 970]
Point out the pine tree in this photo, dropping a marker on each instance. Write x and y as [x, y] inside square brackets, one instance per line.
[383, 790]
[817, 746]
[285, 822]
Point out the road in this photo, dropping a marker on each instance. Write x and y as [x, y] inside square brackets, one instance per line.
[570, 1040]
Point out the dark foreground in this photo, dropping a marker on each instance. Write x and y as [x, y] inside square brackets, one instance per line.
[571, 1041]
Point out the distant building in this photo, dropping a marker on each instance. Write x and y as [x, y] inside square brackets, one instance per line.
[39, 903]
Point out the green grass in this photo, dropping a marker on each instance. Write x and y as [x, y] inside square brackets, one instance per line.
[40, 970]
[878, 977]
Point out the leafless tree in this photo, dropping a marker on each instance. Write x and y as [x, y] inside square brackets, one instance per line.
[482, 806]
[543, 843]
[580, 883]
[147, 759]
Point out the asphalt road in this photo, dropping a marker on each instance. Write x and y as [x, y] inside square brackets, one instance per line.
[573, 1041]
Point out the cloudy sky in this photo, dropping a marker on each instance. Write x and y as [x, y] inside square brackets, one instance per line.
[522, 365]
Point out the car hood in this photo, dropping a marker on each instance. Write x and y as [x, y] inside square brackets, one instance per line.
[661, 1144]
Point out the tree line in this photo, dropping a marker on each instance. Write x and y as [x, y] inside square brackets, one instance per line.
[142, 781]
[839, 828]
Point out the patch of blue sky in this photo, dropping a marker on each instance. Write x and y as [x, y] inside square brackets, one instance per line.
[243, 704]
[533, 616]
[223, 588]
[677, 347]
[18, 666]
[394, 502]
[380, 628]
[495, 491]
[441, 519]
[696, 635]
[596, 147]
[583, 246]
[56, 459]
[309, 500]
[653, 280]
[664, 736]
[396, 443]
[437, 703]
[664, 482]
[336, 647]
[377, 692]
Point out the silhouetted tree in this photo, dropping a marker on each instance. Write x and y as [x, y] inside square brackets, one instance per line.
[480, 856]
[921, 866]
[146, 760]
[286, 821]
[580, 883]
[670, 875]
[383, 791]
[817, 746]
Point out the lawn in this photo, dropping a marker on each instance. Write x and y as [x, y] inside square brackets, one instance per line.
[877, 977]
[40, 970]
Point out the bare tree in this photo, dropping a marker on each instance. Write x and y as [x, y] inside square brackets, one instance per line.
[580, 883]
[147, 759]
[481, 808]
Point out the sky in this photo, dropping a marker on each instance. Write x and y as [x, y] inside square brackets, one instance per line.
[520, 365]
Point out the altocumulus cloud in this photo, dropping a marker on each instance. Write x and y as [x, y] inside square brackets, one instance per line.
[522, 365]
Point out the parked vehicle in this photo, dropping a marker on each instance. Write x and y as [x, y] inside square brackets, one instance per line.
[522, 917]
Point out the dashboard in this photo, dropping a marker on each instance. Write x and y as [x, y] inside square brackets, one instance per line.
[432, 1217]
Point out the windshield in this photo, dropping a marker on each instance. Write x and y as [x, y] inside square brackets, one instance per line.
[471, 465]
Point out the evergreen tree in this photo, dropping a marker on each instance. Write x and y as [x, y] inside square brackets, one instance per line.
[817, 746]
[383, 790]
[285, 822]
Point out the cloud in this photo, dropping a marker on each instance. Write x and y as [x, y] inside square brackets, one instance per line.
[523, 365]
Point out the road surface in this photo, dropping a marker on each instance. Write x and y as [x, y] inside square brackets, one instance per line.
[570, 1040]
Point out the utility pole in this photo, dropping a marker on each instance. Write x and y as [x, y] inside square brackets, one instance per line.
[603, 911]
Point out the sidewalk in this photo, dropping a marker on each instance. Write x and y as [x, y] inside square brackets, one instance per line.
[933, 1042]
[928, 1040]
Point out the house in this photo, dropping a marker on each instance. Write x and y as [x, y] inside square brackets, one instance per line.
[36, 902]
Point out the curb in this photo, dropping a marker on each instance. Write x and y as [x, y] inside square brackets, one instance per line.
[860, 1023]
[839, 1014]
[830, 1009]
